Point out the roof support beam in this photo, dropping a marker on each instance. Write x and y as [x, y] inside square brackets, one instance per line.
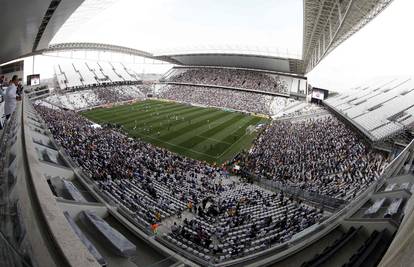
[328, 23]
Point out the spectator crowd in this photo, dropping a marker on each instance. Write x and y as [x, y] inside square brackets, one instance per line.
[320, 155]
[96, 96]
[245, 79]
[229, 219]
[108, 155]
[224, 98]
[242, 220]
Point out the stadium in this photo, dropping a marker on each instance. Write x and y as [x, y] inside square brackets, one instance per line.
[118, 152]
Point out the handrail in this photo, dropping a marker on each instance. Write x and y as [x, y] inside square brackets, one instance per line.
[325, 201]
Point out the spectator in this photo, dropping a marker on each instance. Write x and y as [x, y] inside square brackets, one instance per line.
[11, 97]
[2, 82]
[154, 228]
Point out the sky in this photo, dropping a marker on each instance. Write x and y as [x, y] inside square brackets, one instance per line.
[383, 47]
[159, 24]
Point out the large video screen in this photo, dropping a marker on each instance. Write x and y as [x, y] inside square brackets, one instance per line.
[318, 94]
[33, 79]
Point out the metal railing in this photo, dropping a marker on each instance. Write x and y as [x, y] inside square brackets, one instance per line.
[322, 200]
[331, 203]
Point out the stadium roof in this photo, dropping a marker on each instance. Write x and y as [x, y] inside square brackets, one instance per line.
[254, 59]
[30, 25]
[96, 47]
[239, 60]
[326, 24]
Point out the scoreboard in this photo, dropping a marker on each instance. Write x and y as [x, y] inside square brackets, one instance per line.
[319, 94]
[33, 79]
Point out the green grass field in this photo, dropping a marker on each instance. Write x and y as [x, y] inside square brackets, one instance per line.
[208, 134]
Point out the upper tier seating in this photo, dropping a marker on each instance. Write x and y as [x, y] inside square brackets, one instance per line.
[382, 109]
[73, 78]
[96, 69]
[82, 74]
[97, 96]
[121, 70]
[110, 71]
[87, 75]
[246, 79]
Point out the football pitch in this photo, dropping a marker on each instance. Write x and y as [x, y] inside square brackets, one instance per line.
[208, 134]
